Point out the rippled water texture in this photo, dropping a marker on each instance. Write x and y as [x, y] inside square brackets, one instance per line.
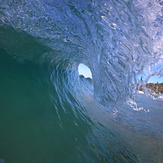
[48, 113]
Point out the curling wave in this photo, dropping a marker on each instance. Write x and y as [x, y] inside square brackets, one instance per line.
[120, 41]
[116, 40]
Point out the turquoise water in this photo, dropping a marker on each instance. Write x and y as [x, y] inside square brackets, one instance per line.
[31, 130]
[36, 126]
[50, 114]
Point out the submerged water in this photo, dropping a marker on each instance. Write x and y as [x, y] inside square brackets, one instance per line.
[48, 113]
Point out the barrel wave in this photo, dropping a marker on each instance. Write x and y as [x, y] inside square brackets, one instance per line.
[48, 113]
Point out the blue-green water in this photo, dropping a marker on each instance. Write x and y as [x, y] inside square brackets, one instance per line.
[50, 114]
[37, 126]
[31, 129]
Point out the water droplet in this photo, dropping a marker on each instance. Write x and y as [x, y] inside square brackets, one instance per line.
[113, 26]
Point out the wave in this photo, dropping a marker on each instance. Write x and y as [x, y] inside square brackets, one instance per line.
[116, 40]
[120, 41]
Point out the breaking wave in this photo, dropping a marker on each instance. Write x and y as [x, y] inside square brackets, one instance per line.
[120, 41]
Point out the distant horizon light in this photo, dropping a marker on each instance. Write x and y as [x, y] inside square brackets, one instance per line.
[155, 79]
[84, 70]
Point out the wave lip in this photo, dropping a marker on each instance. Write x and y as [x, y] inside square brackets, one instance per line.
[116, 46]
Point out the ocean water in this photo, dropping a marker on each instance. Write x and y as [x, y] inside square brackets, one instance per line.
[50, 114]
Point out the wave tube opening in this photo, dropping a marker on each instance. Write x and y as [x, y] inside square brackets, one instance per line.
[84, 70]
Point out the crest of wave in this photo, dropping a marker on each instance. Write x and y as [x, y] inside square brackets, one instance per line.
[120, 41]
[151, 20]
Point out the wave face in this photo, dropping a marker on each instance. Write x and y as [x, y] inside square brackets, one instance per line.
[43, 42]
[119, 41]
